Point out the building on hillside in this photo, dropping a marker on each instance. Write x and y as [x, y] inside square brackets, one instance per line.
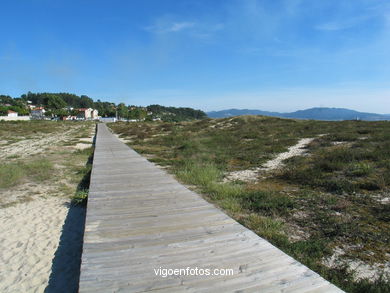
[38, 113]
[11, 113]
[95, 114]
[87, 114]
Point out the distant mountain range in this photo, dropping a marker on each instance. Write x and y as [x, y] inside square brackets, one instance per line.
[329, 114]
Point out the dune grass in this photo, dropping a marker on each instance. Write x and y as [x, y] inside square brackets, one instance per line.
[37, 170]
[55, 168]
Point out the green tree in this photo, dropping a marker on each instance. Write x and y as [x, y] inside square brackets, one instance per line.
[61, 113]
[6, 100]
[23, 111]
[3, 110]
[137, 113]
[123, 111]
[86, 102]
[54, 102]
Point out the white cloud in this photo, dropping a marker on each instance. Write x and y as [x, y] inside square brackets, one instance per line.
[200, 28]
[171, 27]
[179, 26]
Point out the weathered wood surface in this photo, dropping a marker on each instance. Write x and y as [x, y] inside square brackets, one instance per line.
[139, 218]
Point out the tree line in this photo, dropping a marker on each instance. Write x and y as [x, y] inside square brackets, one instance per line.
[63, 104]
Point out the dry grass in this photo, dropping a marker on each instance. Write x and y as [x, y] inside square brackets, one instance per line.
[44, 160]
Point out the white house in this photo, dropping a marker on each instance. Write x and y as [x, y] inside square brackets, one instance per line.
[38, 113]
[11, 113]
[87, 114]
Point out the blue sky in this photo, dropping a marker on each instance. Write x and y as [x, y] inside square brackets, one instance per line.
[278, 55]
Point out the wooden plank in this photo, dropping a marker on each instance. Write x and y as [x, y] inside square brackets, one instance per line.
[139, 218]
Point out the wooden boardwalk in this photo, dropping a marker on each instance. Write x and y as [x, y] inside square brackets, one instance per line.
[140, 219]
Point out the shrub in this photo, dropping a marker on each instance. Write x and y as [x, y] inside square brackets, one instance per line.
[198, 173]
[267, 202]
[81, 197]
[359, 169]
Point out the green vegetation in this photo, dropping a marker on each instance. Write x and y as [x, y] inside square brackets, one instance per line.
[38, 170]
[334, 197]
[83, 172]
[64, 104]
[173, 114]
[357, 163]
[80, 197]
[14, 131]
[44, 160]
[16, 105]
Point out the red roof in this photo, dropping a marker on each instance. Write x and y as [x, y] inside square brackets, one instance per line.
[10, 111]
[83, 109]
[39, 108]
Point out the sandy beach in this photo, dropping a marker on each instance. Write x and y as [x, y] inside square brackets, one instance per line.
[29, 239]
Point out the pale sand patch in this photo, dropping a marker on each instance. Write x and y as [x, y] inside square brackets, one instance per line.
[122, 139]
[29, 241]
[85, 142]
[24, 192]
[243, 175]
[276, 163]
[82, 146]
[295, 150]
[28, 147]
[362, 270]
[223, 124]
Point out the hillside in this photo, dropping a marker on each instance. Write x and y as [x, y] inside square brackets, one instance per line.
[238, 112]
[327, 114]
[174, 114]
[64, 104]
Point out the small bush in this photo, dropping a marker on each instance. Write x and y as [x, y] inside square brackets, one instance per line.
[360, 169]
[271, 229]
[337, 185]
[374, 183]
[199, 174]
[267, 202]
[223, 190]
[80, 198]
[309, 249]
